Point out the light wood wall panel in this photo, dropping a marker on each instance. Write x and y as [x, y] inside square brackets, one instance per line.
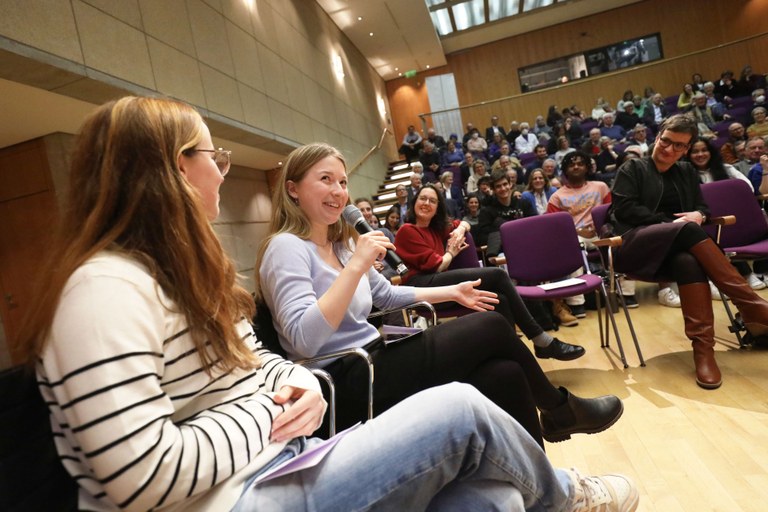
[692, 32]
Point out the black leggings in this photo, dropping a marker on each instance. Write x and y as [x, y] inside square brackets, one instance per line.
[680, 263]
[493, 279]
[479, 349]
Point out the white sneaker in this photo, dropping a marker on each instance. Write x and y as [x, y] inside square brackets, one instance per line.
[715, 292]
[755, 282]
[607, 493]
[668, 297]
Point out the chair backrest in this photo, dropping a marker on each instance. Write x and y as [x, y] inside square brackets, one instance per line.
[733, 197]
[541, 248]
[466, 258]
[600, 216]
[31, 475]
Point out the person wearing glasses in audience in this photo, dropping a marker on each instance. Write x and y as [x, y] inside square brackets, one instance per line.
[658, 210]
[162, 398]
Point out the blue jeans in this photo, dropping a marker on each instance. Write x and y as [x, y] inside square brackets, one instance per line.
[446, 448]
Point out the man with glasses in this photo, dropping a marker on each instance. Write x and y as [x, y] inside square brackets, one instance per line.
[658, 210]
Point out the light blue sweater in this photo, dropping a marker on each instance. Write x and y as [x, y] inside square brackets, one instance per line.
[293, 277]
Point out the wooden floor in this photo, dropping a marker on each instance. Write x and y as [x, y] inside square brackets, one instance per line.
[687, 449]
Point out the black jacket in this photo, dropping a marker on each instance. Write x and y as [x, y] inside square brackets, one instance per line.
[493, 215]
[637, 192]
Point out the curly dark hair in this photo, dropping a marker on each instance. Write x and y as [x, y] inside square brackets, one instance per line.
[440, 221]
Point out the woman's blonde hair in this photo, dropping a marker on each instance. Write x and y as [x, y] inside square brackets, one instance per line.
[287, 216]
[128, 194]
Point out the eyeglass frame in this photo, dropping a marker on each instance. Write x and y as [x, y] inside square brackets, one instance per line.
[216, 154]
[676, 146]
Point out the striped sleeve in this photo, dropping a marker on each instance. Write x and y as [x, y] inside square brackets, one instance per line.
[128, 438]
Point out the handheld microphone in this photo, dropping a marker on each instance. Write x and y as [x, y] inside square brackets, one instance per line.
[354, 217]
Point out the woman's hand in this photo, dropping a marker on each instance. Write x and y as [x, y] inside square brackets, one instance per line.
[300, 418]
[455, 246]
[469, 296]
[370, 247]
[695, 216]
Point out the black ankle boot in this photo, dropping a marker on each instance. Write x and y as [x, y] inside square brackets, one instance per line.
[580, 416]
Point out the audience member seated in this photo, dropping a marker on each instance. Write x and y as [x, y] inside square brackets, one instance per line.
[627, 119]
[484, 190]
[393, 219]
[736, 134]
[753, 150]
[538, 191]
[553, 116]
[541, 154]
[658, 209]
[626, 97]
[697, 82]
[639, 137]
[429, 242]
[452, 207]
[592, 145]
[430, 161]
[526, 141]
[551, 171]
[639, 105]
[685, 99]
[718, 107]
[451, 190]
[160, 395]
[467, 135]
[611, 130]
[557, 131]
[572, 127]
[455, 139]
[494, 129]
[452, 159]
[656, 112]
[606, 160]
[759, 128]
[436, 140]
[749, 81]
[411, 145]
[512, 133]
[416, 179]
[472, 212]
[507, 163]
[477, 145]
[759, 170]
[578, 197]
[480, 169]
[502, 208]
[512, 174]
[726, 89]
[563, 148]
[704, 114]
[466, 169]
[401, 195]
[599, 109]
[540, 128]
[494, 148]
[366, 208]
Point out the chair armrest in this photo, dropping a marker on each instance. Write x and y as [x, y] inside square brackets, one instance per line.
[357, 352]
[725, 220]
[396, 280]
[415, 305]
[762, 197]
[497, 260]
[614, 241]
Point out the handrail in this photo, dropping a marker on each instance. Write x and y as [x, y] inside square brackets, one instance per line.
[590, 78]
[369, 153]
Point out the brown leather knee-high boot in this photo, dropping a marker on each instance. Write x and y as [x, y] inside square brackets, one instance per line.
[696, 303]
[754, 310]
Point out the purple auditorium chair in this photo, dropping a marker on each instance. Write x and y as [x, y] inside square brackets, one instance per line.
[526, 158]
[545, 249]
[743, 235]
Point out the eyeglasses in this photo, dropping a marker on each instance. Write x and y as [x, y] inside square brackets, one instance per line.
[222, 157]
[677, 146]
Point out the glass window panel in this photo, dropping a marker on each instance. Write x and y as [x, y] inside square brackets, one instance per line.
[498, 9]
[430, 3]
[469, 14]
[442, 21]
[535, 4]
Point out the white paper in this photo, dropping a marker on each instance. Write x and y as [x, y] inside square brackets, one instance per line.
[573, 281]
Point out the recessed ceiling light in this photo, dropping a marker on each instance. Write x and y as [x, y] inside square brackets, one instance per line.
[427, 66]
[359, 18]
[370, 34]
[397, 69]
[399, 74]
[279, 163]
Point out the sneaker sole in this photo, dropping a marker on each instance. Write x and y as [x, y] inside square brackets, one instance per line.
[568, 358]
[564, 436]
[570, 324]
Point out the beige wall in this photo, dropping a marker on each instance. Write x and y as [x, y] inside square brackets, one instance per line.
[260, 69]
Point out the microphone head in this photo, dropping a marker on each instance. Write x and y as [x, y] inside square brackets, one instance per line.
[352, 215]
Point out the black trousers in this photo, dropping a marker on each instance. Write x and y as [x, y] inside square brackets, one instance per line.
[492, 279]
[480, 349]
